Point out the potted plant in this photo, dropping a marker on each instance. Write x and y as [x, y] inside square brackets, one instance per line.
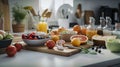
[19, 14]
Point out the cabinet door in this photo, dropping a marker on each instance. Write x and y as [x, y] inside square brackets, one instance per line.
[4, 7]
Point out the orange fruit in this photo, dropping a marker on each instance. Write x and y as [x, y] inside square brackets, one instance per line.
[55, 38]
[77, 28]
[61, 29]
[83, 39]
[75, 42]
[83, 30]
[54, 32]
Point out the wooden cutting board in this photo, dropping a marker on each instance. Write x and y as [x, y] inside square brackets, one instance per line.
[66, 52]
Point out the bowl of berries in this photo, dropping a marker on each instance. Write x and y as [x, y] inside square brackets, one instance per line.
[35, 38]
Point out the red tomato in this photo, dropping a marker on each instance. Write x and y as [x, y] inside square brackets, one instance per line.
[50, 44]
[11, 50]
[18, 46]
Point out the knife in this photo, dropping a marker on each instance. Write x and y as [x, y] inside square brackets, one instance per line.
[72, 47]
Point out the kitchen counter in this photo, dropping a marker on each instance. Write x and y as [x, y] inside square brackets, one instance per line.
[27, 58]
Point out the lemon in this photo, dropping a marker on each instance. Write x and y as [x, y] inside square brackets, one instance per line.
[75, 42]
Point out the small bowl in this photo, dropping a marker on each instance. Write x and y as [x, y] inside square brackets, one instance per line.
[113, 45]
[39, 42]
[5, 43]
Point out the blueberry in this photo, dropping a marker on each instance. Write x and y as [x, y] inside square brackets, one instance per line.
[99, 51]
[96, 49]
[39, 37]
[92, 48]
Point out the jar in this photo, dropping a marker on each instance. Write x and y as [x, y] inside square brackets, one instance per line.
[91, 31]
[117, 26]
[117, 30]
[42, 27]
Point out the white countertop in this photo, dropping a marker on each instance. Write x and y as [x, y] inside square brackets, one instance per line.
[27, 58]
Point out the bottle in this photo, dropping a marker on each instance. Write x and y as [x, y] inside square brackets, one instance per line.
[91, 31]
[100, 27]
[42, 26]
[117, 30]
[108, 27]
[117, 26]
[108, 23]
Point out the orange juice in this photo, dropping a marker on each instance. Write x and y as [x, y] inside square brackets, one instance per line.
[42, 27]
[90, 33]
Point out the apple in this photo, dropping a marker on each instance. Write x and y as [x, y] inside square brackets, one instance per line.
[1, 36]
[3, 33]
[50, 44]
[18, 46]
[9, 36]
[11, 51]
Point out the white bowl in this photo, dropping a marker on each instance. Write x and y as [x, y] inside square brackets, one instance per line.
[39, 42]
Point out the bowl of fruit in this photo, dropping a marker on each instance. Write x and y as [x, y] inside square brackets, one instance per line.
[35, 38]
[5, 39]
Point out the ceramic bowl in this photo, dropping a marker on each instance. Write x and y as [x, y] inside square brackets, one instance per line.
[5, 43]
[38, 42]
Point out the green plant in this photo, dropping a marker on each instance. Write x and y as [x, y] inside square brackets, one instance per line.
[19, 13]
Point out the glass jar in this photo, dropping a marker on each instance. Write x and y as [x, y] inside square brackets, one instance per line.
[42, 27]
[108, 25]
[91, 31]
[117, 30]
[100, 27]
[117, 26]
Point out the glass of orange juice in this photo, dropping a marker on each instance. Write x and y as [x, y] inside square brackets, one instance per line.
[42, 27]
[91, 33]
